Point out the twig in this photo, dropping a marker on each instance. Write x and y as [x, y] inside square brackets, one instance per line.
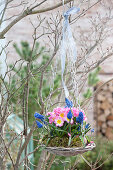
[8, 152]
[86, 161]
[104, 161]
[29, 154]
[51, 162]
[24, 145]
[41, 160]
[27, 12]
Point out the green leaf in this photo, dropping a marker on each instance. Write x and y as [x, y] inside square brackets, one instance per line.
[88, 139]
[69, 142]
[82, 140]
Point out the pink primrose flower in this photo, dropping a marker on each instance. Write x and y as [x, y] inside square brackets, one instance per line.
[85, 118]
[67, 110]
[63, 115]
[57, 111]
[75, 111]
[52, 118]
[49, 113]
[59, 121]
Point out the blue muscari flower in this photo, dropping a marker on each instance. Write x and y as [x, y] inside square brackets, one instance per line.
[87, 126]
[68, 103]
[39, 124]
[92, 130]
[39, 116]
[69, 115]
[80, 118]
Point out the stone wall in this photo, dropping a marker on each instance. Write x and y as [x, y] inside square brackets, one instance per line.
[104, 110]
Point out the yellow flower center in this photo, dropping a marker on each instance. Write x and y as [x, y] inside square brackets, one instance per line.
[67, 119]
[62, 115]
[59, 121]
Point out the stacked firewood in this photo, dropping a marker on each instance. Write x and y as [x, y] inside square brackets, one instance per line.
[103, 110]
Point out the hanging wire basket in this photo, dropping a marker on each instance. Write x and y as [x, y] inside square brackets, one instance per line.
[62, 151]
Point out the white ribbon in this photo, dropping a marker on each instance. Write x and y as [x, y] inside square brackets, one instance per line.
[68, 46]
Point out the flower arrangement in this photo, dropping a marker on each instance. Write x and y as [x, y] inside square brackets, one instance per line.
[65, 127]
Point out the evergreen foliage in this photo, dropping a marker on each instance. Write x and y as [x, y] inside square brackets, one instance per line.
[93, 77]
[92, 81]
[37, 58]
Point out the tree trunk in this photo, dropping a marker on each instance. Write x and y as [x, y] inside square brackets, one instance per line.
[2, 149]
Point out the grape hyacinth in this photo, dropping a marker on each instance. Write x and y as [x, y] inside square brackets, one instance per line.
[80, 118]
[87, 126]
[69, 115]
[68, 103]
[39, 116]
[39, 124]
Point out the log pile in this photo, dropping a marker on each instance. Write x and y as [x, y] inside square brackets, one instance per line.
[103, 110]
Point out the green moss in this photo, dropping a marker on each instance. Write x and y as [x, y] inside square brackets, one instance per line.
[62, 142]
[76, 142]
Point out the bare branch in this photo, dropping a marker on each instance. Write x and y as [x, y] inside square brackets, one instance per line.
[27, 12]
[8, 152]
[24, 145]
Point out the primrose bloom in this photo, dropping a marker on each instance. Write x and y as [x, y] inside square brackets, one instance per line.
[66, 115]
[66, 110]
[63, 115]
[57, 111]
[75, 111]
[49, 113]
[51, 119]
[85, 118]
[59, 121]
